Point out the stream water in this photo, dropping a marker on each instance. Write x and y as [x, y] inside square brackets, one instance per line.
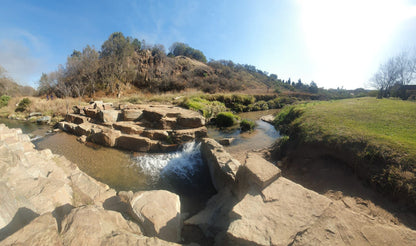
[182, 172]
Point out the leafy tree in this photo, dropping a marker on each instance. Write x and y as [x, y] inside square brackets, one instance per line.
[313, 87]
[182, 49]
[4, 100]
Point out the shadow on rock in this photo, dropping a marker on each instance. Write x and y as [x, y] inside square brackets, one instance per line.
[22, 217]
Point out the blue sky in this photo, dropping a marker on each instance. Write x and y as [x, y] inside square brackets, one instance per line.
[333, 42]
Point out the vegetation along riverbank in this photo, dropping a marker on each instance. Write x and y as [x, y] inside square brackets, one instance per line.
[376, 137]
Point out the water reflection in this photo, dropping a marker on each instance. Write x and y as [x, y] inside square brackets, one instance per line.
[262, 137]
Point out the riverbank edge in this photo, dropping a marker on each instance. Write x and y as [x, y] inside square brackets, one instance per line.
[377, 166]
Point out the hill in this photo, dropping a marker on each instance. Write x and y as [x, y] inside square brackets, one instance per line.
[126, 65]
[9, 87]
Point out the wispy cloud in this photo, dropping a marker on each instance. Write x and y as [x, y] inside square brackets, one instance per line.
[23, 55]
[160, 22]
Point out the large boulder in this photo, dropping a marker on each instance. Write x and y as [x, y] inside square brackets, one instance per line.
[84, 129]
[222, 166]
[157, 211]
[135, 143]
[77, 119]
[152, 115]
[91, 112]
[91, 225]
[67, 127]
[107, 116]
[106, 137]
[44, 120]
[156, 134]
[191, 120]
[268, 118]
[258, 172]
[214, 217]
[87, 190]
[185, 135]
[131, 114]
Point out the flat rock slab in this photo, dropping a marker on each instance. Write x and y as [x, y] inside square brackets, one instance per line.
[131, 114]
[128, 127]
[285, 213]
[134, 143]
[341, 226]
[276, 216]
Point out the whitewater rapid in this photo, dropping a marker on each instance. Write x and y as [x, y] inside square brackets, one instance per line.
[183, 164]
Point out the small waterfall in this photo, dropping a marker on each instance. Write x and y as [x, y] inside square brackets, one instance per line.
[181, 165]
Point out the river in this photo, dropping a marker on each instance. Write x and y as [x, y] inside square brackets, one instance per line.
[182, 172]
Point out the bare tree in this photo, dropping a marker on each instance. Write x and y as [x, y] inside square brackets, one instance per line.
[398, 71]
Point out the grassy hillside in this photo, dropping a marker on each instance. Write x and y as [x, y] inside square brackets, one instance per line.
[378, 138]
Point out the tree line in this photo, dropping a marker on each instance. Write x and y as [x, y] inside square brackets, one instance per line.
[395, 75]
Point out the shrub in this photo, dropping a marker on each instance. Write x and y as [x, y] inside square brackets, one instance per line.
[225, 119]
[257, 106]
[207, 108]
[247, 125]
[4, 100]
[23, 105]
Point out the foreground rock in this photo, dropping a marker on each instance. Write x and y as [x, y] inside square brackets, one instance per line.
[89, 225]
[46, 200]
[259, 207]
[158, 212]
[140, 128]
[222, 166]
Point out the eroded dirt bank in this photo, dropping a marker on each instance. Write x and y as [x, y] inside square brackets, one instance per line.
[329, 172]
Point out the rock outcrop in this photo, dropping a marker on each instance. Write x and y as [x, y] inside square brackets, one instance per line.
[139, 128]
[256, 206]
[46, 200]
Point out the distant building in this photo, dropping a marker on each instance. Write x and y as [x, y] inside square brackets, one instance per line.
[404, 91]
[410, 91]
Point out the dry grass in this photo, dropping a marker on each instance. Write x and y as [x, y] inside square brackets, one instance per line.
[55, 107]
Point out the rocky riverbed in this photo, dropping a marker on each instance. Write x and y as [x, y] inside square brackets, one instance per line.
[47, 200]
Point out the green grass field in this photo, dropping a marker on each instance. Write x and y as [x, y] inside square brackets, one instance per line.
[379, 132]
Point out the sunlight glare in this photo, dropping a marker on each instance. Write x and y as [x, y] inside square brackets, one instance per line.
[342, 34]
